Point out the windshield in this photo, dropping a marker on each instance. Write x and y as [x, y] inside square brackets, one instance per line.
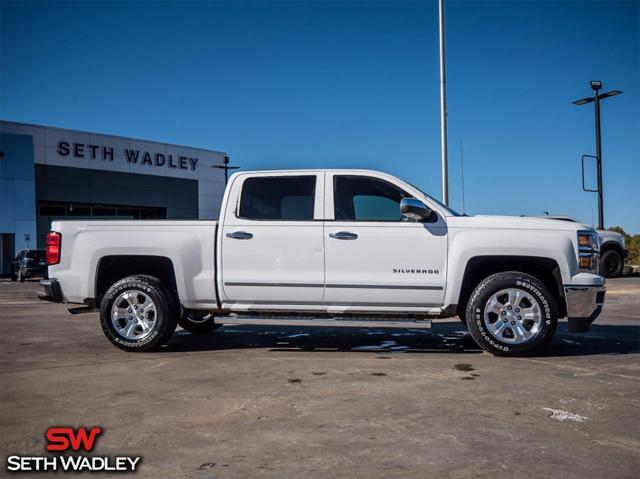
[449, 210]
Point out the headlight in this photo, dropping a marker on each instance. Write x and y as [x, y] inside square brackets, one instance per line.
[588, 251]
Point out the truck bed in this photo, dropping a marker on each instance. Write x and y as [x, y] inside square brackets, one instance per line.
[190, 245]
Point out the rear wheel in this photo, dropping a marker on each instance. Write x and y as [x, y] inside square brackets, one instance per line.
[136, 314]
[511, 314]
[198, 322]
[611, 264]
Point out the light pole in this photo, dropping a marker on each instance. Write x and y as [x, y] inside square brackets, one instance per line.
[443, 108]
[225, 166]
[596, 85]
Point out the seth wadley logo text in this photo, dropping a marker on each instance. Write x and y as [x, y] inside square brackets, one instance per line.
[65, 439]
[132, 156]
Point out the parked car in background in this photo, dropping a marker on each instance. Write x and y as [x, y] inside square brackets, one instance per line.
[612, 252]
[29, 264]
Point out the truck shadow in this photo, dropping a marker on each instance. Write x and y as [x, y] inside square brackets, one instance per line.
[443, 338]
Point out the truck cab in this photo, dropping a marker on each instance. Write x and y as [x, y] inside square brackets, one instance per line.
[324, 240]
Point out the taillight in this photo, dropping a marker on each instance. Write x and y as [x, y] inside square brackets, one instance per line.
[53, 247]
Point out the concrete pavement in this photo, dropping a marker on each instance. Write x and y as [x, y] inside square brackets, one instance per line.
[251, 401]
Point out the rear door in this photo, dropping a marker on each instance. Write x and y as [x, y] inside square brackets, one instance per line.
[375, 259]
[272, 250]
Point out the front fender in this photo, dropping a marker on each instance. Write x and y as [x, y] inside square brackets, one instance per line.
[467, 243]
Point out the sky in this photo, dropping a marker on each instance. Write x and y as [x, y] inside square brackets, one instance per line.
[350, 85]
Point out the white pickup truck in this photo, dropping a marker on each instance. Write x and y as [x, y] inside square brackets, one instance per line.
[329, 247]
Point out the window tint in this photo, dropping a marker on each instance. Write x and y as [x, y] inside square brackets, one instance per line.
[361, 198]
[38, 255]
[278, 198]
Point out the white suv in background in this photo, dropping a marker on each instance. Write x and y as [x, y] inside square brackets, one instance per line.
[612, 252]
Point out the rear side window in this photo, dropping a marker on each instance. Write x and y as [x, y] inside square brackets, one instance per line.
[278, 198]
[362, 198]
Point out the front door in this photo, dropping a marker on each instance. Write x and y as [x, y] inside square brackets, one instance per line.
[375, 259]
[272, 245]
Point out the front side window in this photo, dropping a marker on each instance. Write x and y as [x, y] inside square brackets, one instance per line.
[361, 198]
[278, 198]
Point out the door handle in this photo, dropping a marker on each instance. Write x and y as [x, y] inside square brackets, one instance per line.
[343, 235]
[241, 235]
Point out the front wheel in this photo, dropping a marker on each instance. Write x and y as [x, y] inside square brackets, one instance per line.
[136, 314]
[511, 314]
[611, 264]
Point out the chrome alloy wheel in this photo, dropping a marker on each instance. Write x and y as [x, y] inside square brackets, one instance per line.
[133, 315]
[513, 316]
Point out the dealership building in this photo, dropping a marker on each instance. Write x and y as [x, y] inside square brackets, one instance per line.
[49, 174]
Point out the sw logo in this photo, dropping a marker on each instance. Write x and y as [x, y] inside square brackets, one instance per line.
[65, 439]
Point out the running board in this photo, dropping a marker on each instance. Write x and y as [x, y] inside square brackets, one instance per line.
[366, 322]
[82, 310]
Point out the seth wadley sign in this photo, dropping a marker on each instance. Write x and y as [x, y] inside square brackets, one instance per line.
[104, 153]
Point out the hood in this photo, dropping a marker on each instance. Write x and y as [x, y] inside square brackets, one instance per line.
[610, 235]
[514, 222]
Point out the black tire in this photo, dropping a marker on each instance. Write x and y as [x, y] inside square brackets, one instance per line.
[13, 277]
[611, 264]
[174, 305]
[163, 322]
[503, 345]
[198, 322]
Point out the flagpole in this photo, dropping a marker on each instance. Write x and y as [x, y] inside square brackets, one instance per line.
[443, 108]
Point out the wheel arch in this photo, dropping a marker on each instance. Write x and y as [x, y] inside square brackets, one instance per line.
[544, 269]
[112, 268]
[611, 245]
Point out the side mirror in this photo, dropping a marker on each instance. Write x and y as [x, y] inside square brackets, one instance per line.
[414, 209]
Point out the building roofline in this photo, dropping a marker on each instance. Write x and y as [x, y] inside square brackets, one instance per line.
[114, 136]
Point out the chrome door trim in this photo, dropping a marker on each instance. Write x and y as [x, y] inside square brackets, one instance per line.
[323, 305]
[384, 286]
[284, 285]
[348, 286]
